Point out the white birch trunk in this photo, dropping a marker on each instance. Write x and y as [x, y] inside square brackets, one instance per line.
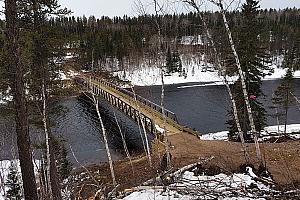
[53, 183]
[105, 142]
[221, 69]
[144, 128]
[242, 77]
[166, 142]
[124, 144]
[277, 117]
[48, 167]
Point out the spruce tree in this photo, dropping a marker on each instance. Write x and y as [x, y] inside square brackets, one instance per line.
[173, 63]
[283, 97]
[253, 57]
[64, 166]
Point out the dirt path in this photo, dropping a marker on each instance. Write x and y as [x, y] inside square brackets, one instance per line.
[282, 160]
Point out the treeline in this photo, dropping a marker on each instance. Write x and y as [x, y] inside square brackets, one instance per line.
[33, 47]
[96, 40]
[99, 39]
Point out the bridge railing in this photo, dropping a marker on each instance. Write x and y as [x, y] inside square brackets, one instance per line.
[141, 99]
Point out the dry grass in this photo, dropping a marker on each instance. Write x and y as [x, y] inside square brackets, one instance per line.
[282, 160]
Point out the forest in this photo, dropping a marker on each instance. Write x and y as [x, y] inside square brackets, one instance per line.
[47, 55]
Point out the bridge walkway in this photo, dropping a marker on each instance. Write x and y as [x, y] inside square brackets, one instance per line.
[134, 102]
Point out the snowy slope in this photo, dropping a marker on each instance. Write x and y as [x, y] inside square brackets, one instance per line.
[197, 70]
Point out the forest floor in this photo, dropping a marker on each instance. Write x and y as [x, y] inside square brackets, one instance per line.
[281, 159]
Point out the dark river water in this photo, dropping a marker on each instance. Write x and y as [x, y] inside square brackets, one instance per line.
[205, 108]
[201, 108]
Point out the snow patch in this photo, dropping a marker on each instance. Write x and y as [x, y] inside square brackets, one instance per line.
[221, 186]
[159, 129]
[223, 135]
[5, 97]
[66, 75]
[193, 40]
[268, 132]
[4, 171]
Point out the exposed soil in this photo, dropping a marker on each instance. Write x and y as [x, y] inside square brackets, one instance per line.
[281, 159]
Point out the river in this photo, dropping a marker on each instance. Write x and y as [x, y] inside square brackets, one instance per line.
[201, 108]
[205, 108]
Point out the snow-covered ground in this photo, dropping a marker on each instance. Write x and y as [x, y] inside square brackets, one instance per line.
[196, 71]
[62, 75]
[4, 171]
[5, 97]
[269, 131]
[194, 185]
[148, 75]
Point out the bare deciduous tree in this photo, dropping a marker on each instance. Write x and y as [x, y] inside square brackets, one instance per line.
[158, 8]
[219, 3]
[124, 143]
[222, 72]
[96, 103]
[143, 126]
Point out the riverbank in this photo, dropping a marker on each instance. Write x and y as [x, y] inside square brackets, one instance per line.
[282, 161]
[194, 73]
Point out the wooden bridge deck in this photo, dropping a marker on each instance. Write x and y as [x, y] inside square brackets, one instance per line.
[145, 107]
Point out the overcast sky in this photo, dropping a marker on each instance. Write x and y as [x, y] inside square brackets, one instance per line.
[112, 8]
[121, 7]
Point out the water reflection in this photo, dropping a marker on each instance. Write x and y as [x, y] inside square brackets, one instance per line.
[81, 129]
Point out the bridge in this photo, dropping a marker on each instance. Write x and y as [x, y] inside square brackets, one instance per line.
[141, 110]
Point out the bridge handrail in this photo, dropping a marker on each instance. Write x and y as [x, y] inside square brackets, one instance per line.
[141, 99]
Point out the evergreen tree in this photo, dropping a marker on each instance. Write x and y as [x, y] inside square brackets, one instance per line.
[64, 166]
[169, 64]
[253, 58]
[283, 97]
[15, 67]
[13, 183]
[173, 63]
[292, 54]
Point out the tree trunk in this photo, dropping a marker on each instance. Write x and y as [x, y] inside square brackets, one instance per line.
[21, 115]
[124, 144]
[221, 70]
[166, 142]
[105, 141]
[54, 191]
[286, 109]
[242, 78]
[143, 126]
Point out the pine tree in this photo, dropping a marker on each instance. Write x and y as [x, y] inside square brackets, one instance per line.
[169, 63]
[64, 166]
[42, 54]
[173, 63]
[252, 58]
[17, 73]
[283, 97]
[13, 183]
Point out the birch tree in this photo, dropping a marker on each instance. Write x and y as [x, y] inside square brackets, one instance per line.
[220, 5]
[148, 152]
[222, 72]
[157, 8]
[111, 167]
